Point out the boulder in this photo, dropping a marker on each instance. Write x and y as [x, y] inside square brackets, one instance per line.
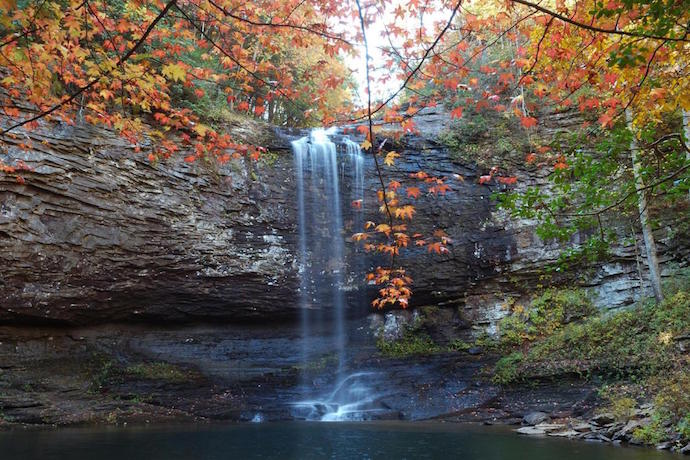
[535, 418]
[664, 445]
[564, 434]
[550, 427]
[603, 419]
[531, 430]
[625, 433]
[582, 427]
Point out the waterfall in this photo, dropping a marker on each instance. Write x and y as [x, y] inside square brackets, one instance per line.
[320, 174]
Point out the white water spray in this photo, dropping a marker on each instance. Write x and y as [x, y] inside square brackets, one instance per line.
[319, 171]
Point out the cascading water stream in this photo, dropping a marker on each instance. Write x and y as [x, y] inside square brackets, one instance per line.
[320, 176]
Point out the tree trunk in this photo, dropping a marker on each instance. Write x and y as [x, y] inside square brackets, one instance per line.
[649, 243]
[686, 129]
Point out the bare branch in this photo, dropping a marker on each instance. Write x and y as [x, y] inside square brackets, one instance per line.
[414, 71]
[369, 114]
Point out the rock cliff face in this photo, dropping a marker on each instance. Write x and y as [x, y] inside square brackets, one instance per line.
[98, 234]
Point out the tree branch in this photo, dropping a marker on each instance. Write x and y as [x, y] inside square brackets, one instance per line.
[278, 24]
[628, 195]
[414, 71]
[596, 28]
[369, 114]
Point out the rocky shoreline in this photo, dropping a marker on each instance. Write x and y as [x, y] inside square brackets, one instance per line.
[603, 427]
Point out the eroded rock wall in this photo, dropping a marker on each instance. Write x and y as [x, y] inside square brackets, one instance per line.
[98, 234]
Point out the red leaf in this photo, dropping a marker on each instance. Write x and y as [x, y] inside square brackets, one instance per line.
[528, 122]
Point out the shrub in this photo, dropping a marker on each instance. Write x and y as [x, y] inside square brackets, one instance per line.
[683, 427]
[651, 434]
[673, 394]
[671, 407]
[546, 314]
[622, 408]
[673, 314]
[459, 345]
[507, 369]
[409, 344]
[637, 342]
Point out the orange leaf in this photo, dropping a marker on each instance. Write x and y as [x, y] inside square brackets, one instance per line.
[528, 122]
[413, 192]
[508, 180]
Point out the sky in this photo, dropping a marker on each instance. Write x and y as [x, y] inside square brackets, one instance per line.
[374, 36]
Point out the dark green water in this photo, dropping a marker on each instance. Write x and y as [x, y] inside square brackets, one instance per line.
[304, 441]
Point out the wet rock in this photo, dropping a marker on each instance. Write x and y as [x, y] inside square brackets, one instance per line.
[396, 323]
[603, 419]
[474, 351]
[611, 429]
[643, 411]
[582, 427]
[664, 445]
[685, 450]
[595, 437]
[535, 418]
[625, 433]
[550, 427]
[564, 434]
[531, 431]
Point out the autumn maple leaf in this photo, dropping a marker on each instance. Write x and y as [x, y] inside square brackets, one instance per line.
[528, 122]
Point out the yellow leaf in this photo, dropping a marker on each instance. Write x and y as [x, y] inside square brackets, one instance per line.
[366, 145]
[383, 228]
[390, 158]
[174, 72]
[201, 130]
